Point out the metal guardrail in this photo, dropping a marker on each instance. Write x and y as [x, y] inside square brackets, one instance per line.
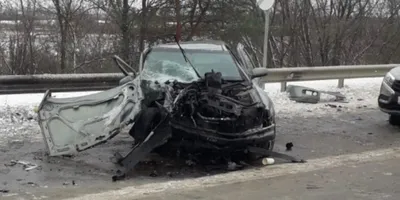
[341, 72]
[327, 72]
[17, 84]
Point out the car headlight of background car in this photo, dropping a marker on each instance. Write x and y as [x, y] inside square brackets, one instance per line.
[386, 92]
[389, 79]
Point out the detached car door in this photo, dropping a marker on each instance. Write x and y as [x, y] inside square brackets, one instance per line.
[70, 125]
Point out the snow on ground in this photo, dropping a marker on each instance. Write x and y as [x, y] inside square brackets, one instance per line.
[17, 118]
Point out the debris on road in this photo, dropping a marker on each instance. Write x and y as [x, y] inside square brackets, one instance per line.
[312, 187]
[27, 166]
[119, 176]
[30, 183]
[268, 161]
[266, 153]
[332, 105]
[289, 146]
[302, 94]
[4, 191]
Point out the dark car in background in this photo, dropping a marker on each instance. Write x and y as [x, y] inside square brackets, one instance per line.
[389, 96]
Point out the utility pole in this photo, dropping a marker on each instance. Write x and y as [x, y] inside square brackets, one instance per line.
[265, 5]
[266, 30]
[178, 19]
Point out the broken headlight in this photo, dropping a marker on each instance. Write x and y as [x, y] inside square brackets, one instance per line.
[389, 79]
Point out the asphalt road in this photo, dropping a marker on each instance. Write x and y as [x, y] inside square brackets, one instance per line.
[367, 181]
[314, 137]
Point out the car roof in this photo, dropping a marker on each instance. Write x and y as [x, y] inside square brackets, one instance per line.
[207, 45]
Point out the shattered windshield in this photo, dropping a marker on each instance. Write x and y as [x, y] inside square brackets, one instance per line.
[169, 64]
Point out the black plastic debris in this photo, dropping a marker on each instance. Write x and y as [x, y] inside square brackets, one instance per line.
[4, 191]
[31, 184]
[119, 176]
[312, 187]
[289, 146]
[331, 105]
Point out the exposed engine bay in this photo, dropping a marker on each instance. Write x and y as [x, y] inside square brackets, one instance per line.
[216, 111]
[218, 106]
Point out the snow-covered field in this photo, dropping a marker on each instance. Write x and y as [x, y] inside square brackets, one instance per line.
[17, 117]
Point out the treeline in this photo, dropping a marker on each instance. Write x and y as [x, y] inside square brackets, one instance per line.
[67, 36]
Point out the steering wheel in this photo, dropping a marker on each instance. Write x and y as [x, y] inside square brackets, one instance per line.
[119, 62]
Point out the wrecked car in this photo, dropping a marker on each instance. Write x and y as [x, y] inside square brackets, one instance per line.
[192, 95]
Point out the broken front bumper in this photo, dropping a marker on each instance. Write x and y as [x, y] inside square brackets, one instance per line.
[249, 137]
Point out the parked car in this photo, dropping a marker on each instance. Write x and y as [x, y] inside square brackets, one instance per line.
[389, 95]
[194, 94]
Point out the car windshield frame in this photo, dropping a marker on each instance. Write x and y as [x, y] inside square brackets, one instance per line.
[241, 76]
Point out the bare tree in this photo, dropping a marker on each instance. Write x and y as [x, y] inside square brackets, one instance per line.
[21, 58]
[66, 10]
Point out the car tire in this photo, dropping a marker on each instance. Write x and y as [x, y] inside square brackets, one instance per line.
[146, 121]
[394, 120]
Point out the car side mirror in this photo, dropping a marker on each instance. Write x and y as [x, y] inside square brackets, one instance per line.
[259, 72]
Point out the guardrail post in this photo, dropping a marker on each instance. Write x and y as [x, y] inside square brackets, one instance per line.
[341, 83]
[283, 86]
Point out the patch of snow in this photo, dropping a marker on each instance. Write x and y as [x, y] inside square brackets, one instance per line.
[30, 100]
[18, 119]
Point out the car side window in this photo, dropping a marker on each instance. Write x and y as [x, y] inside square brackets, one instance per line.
[248, 65]
[249, 61]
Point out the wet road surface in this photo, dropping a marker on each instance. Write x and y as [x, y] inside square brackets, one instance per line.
[313, 137]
